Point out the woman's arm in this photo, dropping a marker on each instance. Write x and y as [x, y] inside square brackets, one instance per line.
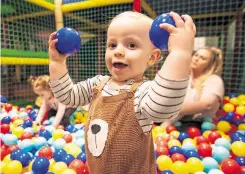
[205, 104]
[59, 115]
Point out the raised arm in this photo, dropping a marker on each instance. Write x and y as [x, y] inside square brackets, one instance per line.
[164, 98]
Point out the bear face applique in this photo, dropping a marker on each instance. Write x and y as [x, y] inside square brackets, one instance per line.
[97, 136]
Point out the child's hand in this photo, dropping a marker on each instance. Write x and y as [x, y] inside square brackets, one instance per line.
[37, 122]
[54, 55]
[181, 37]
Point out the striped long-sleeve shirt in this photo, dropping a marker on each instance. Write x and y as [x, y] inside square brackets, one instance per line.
[154, 101]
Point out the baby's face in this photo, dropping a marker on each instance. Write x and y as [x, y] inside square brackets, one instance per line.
[128, 46]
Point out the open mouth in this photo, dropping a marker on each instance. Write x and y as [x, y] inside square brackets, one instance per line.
[119, 65]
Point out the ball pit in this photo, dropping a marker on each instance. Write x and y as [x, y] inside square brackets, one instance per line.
[217, 148]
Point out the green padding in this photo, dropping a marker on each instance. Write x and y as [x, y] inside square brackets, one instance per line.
[21, 103]
[21, 53]
[7, 9]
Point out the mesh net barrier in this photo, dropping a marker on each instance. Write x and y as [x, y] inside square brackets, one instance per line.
[25, 29]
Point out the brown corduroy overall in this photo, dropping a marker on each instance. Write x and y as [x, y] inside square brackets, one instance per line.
[127, 149]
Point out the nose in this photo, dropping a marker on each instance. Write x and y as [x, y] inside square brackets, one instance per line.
[119, 51]
[95, 128]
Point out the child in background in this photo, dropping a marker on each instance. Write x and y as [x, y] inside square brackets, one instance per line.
[40, 87]
[123, 107]
[205, 91]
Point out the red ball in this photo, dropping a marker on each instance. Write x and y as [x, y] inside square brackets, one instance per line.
[77, 165]
[238, 117]
[213, 136]
[160, 141]
[68, 138]
[26, 135]
[178, 157]
[170, 129]
[5, 128]
[243, 169]
[3, 152]
[201, 139]
[162, 150]
[85, 170]
[230, 166]
[204, 150]
[12, 148]
[46, 152]
[8, 107]
[193, 132]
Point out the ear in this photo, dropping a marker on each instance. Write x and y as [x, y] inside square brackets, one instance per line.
[155, 57]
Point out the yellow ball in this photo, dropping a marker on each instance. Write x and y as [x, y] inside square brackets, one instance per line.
[234, 101]
[79, 115]
[7, 158]
[223, 126]
[173, 142]
[69, 171]
[29, 107]
[226, 98]
[240, 110]
[158, 129]
[241, 126]
[17, 122]
[18, 131]
[58, 133]
[164, 162]
[72, 149]
[194, 165]
[59, 167]
[3, 164]
[175, 134]
[51, 165]
[241, 102]
[179, 167]
[13, 167]
[228, 107]
[30, 166]
[238, 148]
[190, 140]
[241, 97]
[206, 133]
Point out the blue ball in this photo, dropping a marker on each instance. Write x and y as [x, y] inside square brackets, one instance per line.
[24, 158]
[167, 172]
[6, 120]
[46, 134]
[59, 154]
[69, 41]
[40, 165]
[27, 123]
[159, 37]
[240, 161]
[82, 157]
[175, 149]
[232, 95]
[15, 153]
[182, 136]
[191, 153]
[3, 99]
[67, 159]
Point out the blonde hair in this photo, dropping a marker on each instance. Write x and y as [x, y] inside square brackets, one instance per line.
[215, 66]
[39, 82]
